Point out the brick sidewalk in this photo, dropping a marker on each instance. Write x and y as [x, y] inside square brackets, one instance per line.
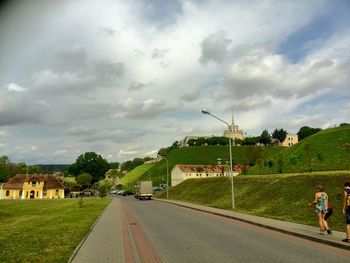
[105, 241]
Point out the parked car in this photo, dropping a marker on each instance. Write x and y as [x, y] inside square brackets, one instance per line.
[157, 189]
[163, 186]
[127, 192]
[121, 192]
[114, 192]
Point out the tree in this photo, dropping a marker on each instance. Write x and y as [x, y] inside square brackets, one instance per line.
[306, 131]
[104, 186]
[4, 159]
[265, 138]
[280, 162]
[91, 163]
[279, 134]
[84, 179]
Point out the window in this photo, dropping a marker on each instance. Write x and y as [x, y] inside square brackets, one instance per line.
[7, 193]
[37, 193]
[45, 192]
[33, 183]
[20, 193]
[57, 191]
[26, 194]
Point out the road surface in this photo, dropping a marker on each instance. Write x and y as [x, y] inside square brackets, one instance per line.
[158, 232]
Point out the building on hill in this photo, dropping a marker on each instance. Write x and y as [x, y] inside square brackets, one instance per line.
[32, 186]
[182, 172]
[234, 132]
[290, 140]
[184, 142]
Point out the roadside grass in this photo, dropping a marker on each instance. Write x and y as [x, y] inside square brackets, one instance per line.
[284, 197]
[45, 230]
[132, 177]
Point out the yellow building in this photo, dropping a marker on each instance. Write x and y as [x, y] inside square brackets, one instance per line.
[290, 140]
[32, 186]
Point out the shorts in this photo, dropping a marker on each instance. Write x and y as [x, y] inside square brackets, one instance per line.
[347, 216]
[328, 213]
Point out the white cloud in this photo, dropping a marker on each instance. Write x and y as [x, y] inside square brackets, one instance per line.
[15, 87]
[136, 76]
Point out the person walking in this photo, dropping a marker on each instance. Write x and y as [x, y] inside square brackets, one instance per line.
[346, 210]
[321, 204]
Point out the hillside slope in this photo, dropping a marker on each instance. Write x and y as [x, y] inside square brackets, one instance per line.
[200, 155]
[326, 153]
[283, 197]
[132, 177]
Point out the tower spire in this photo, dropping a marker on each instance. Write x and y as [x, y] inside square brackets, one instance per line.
[232, 118]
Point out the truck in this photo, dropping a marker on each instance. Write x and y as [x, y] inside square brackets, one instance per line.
[144, 190]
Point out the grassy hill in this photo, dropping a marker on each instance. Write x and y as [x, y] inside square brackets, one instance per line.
[283, 197]
[326, 153]
[132, 177]
[200, 155]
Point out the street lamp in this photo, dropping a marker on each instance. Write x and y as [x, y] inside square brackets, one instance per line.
[229, 145]
[167, 178]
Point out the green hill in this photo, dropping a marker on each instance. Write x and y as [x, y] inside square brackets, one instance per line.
[326, 153]
[201, 155]
[283, 197]
[132, 177]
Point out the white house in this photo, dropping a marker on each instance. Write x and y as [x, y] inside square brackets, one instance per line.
[181, 172]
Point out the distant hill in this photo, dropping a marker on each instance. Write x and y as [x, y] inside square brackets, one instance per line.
[200, 155]
[132, 177]
[326, 153]
[50, 168]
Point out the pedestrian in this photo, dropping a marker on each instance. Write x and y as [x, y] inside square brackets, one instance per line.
[328, 214]
[346, 210]
[321, 205]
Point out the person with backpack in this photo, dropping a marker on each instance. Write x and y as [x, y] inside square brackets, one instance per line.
[321, 206]
[346, 210]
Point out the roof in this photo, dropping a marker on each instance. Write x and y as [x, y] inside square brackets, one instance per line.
[194, 168]
[50, 181]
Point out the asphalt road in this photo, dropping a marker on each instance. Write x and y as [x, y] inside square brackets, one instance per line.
[179, 234]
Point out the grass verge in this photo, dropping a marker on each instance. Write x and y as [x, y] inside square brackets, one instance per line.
[45, 230]
[283, 197]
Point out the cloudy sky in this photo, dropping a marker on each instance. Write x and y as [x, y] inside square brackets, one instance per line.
[125, 78]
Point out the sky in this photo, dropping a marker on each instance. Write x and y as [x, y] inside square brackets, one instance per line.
[125, 78]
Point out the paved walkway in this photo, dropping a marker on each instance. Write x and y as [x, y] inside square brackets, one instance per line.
[109, 228]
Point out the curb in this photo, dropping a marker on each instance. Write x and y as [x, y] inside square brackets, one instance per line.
[74, 253]
[300, 235]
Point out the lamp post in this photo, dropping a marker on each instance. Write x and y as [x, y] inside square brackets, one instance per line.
[167, 178]
[229, 145]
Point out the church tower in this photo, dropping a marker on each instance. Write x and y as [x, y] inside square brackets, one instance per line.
[233, 131]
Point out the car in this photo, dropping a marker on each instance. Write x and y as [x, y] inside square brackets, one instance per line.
[163, 186]
[114, 192]
[127, 192]
[157, 189]
[121, 192]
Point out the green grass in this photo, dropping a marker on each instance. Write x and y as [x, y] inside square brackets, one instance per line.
[199, 155]
[327, 153]
[283, 197]
[136, 173]
[45, 230]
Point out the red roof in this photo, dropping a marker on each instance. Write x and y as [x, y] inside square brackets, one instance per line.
[50, 181]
